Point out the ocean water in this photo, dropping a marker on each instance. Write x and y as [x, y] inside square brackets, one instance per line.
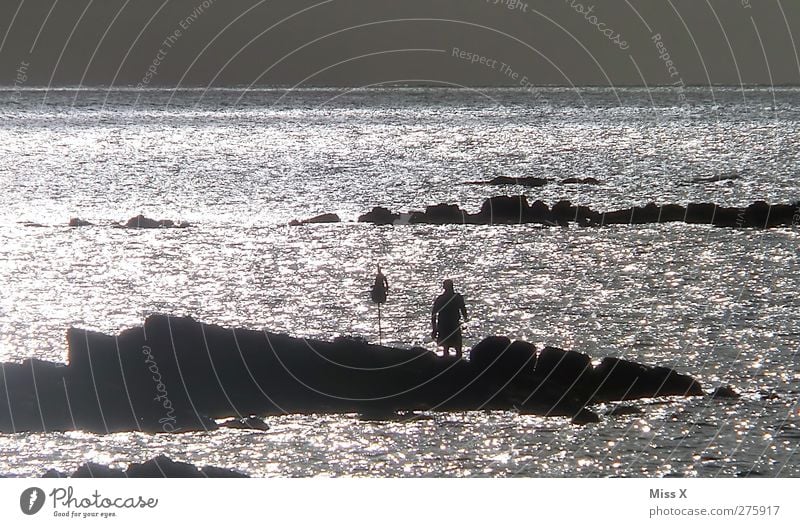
[719, 304]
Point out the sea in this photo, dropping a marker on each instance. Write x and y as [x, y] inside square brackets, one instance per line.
[240, 163]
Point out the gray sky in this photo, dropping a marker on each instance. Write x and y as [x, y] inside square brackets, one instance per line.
[359, 42]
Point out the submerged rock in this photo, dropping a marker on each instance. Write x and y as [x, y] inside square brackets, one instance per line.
[520, 181]
[246, 423]
[142, 222]
[624, 410]
[724, 392]
[322, 218]
[77, 222]
[716, 179]
[580, 181]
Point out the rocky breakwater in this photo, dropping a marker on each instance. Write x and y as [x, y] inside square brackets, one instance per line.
[517, 209]
[176, 374]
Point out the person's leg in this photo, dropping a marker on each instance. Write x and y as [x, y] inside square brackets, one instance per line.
[457, 343]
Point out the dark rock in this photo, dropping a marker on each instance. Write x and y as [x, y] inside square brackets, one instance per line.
[53, 473]
[378, 415]
[322, 218]
[724, 392]
[504, 209]
[35, 399]
[441, 214]
[216, 472]
[141, 222]
[622, 380]
[539, 212]
[700, 212]
[580, 181]
[650, 213]
[162, 467]
[624, 410]
[584, 417]
[94, 470]
[616, 217]
[77, 222]
[246, 423]
[729, 217]
[499, 356]
[564, 212]
[570, 369]
[515, 209]
[379, 216]
[758, 214]
[175, 375]
[523, 181]
[670, 213]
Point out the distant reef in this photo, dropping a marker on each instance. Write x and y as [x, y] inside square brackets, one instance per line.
[176, 375]
[137, 222]
[504, 210]
[501, 181]
[511, 181]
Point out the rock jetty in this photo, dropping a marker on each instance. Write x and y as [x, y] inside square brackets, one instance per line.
[500, 210]
[176, 374]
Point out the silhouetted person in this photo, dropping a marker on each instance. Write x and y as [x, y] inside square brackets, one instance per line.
[380, 288]
[448, 308]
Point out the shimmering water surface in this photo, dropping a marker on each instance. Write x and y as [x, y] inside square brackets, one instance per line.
[719, 304]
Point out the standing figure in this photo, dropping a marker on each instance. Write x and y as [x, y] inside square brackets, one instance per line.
[448, 309]
[380, 289]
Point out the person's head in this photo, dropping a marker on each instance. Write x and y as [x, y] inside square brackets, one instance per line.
[448, 285]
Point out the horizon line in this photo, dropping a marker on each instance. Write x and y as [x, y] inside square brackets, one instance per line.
[290, 87]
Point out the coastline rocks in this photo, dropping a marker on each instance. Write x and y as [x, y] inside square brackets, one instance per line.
[441, 214]
[322, 218]
[95, 470]
[158, 467]
[142, 222]
[500, 210]
[164, 467]
[504, 209]
[379, 216]
[77, 222]
[175, 374]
